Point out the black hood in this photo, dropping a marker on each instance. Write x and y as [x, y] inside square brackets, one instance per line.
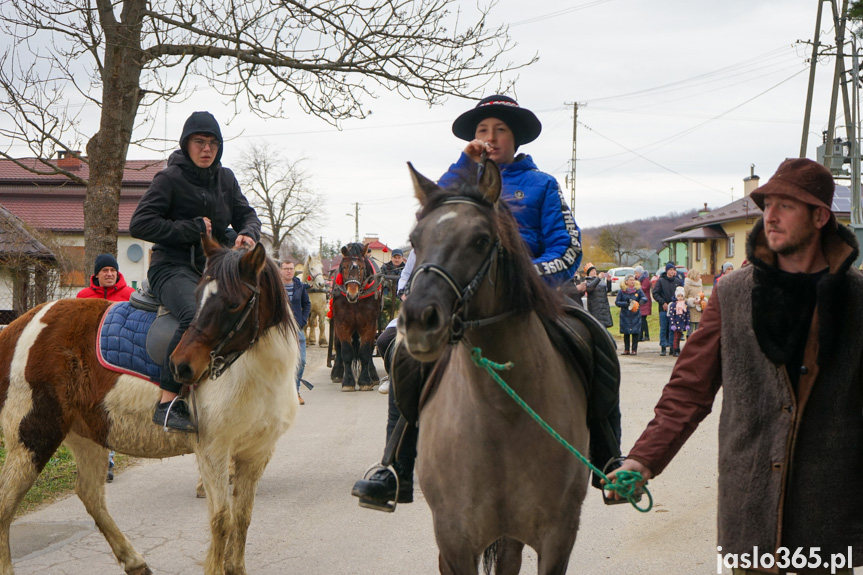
[202, 123]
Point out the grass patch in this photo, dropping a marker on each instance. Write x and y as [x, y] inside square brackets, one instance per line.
[652, 321]
[57, 479]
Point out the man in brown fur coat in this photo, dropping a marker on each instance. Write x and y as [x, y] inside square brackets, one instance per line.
[783, 338]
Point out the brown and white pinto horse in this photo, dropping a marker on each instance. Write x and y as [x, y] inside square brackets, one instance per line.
[53, 390]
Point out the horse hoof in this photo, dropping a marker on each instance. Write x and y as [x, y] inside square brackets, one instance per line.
[367, 387]
[142, 570]
[337, 379]
[322, 344]
[348, 388]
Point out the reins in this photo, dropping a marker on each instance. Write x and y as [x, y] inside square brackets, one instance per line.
[627, 481]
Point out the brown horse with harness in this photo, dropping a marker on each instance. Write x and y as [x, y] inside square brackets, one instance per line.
[356, 307]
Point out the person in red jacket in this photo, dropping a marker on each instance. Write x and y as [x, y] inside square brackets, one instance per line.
[107, 282]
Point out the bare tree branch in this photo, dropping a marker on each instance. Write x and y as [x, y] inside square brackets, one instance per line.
[278, 189]
[124, 55]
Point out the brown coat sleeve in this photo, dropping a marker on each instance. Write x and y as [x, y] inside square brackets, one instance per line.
[688, 397]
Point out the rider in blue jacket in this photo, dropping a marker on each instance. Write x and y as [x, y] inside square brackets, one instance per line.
[497, 126]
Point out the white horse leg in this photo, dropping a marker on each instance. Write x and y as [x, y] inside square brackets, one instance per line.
[247, 473]
[213, 467]
[91, 461]
[17, 476]
[322, 327]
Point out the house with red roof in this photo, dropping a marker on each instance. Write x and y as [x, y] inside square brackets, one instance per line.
[43, 197]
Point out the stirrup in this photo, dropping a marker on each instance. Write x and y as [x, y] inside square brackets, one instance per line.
[387, 507]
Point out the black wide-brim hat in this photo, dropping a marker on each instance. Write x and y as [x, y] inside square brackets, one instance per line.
[524, 124]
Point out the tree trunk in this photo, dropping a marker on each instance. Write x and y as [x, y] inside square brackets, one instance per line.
[107, 149]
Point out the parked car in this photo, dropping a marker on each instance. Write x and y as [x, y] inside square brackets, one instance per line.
[615, 278]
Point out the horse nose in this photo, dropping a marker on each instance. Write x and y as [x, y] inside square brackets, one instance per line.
[182, 371]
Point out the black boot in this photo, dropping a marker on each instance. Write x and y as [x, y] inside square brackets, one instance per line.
[174, 416]
[662, 351]
[379, 490]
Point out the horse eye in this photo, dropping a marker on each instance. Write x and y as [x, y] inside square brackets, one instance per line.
[482, 242]
[234, 308]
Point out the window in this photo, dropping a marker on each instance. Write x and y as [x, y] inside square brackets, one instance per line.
[729, 246]
[697, 252]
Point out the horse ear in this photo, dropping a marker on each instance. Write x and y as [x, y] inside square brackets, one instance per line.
[422, 185]
[253, 262]
[489, 182]
[366, 249]
[210, 245]
[344, 251]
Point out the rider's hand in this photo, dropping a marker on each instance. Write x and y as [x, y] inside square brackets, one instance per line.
[631, 465]
[244, 241]
[209, 225]
[475, 148]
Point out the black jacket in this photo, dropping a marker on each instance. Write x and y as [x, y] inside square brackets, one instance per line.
[663, 291]
[172, 210]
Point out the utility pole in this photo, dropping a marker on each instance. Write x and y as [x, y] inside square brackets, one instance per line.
[321, 246]
[572, 162]
[356, 221]
[812, 61]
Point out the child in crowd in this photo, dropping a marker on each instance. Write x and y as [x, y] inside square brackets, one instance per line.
[678, 317]
[629, 299]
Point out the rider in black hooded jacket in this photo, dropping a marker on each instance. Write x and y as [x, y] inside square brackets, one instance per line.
[195, 194]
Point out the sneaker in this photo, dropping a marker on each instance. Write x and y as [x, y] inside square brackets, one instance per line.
[625, 352]
[385, 385]
[381, 488]
[634, 353]
[110, 476]
[177, 418]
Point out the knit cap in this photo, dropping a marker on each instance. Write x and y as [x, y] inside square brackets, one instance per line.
[679, 291]
[104, 261]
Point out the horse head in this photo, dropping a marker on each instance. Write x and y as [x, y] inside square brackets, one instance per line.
[355, 270]
[239, 297]
[313, 274]
[466, 241]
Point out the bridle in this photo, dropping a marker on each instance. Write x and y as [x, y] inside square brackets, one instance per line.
[219, 363]
[458, 323]
[366, 286]
[310, 282]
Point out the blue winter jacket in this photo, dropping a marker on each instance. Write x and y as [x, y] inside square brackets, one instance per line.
[544, 218]
[301, 305]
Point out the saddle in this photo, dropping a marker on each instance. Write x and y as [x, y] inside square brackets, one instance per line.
[133, 336]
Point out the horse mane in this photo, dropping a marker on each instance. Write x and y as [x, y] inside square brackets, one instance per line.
[224, 267]
[522, 286]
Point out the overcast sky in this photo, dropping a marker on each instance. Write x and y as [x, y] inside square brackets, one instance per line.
[677, 100]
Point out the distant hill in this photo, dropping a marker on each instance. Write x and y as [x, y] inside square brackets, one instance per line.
[652, 230]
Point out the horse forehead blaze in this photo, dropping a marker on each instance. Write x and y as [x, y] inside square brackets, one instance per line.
[210, 289]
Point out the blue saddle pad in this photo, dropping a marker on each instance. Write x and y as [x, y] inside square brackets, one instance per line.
[122, 341]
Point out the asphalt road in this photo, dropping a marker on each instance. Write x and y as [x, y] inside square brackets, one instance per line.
[306, 522]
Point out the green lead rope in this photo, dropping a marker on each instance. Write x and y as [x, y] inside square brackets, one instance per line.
[626, 484]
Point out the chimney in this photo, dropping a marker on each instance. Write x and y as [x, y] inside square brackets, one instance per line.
[69, 160]
[750, 184]
[704, 211]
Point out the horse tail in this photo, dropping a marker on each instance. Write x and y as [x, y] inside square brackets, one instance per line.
[489, 557]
